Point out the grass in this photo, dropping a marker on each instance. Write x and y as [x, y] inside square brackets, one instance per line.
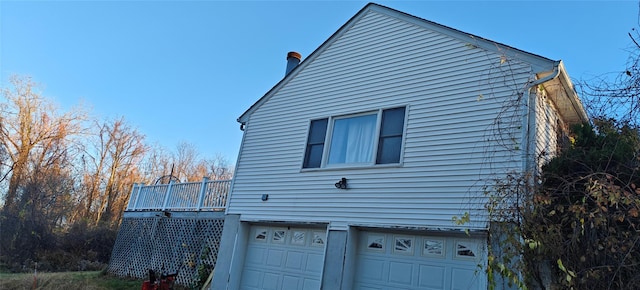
[67, 281]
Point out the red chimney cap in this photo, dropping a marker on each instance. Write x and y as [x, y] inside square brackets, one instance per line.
[294, 54]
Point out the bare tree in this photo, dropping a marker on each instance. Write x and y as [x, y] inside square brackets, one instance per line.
[115, 168]
[35, 145]
[616, 95]
[157, 166]
[184, 165]
[219, 168]
[32, 133]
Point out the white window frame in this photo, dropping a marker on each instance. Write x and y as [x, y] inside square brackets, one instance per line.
[328, 139]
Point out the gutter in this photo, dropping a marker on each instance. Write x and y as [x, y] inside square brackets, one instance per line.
[553, 75]
[531, 118]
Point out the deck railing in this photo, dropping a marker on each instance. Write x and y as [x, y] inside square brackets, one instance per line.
[207, 195]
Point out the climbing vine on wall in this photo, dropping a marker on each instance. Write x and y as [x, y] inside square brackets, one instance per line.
[578, 225]
[574, 222]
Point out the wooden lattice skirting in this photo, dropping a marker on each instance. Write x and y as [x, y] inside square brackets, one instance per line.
[186, 243]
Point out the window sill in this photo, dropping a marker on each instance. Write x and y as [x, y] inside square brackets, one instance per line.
[351, 167]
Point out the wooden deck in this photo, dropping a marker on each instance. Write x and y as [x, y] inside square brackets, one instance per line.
[207, 195]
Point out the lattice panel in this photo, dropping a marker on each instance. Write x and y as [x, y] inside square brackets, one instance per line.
[170, 244]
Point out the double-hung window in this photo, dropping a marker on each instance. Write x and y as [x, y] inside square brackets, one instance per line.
[360, 139]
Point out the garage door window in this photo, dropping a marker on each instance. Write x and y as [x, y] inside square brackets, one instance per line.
[375, 242]
[433, 248]
[298, 238]
[279, 236]
[403, 245]
[261, 235]
[318, 239]
[465, 250]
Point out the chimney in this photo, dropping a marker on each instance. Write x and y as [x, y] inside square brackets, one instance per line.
[293, 59]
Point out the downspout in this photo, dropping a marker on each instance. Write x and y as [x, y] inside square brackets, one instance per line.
[531, 121]
[529, 137]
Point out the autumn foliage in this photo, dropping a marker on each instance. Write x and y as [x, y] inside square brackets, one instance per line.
[583, 222]
[65, 179]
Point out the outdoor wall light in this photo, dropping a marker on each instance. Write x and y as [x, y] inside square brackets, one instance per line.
[166, 213]
[342, 184]
[265, 197]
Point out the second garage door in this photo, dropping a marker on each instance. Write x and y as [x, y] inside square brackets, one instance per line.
[402, 261]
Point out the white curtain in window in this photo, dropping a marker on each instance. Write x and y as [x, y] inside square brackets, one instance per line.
[352, 140]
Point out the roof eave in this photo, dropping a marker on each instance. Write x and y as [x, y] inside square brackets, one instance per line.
[539, 64]
[566, 99]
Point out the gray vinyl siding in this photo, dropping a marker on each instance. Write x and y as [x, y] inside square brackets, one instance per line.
[453, 92]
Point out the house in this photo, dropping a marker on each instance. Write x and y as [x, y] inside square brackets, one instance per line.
[355, 167]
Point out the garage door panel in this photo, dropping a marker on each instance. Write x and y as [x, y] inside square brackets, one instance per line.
[254, 279]
[371, 269]
[311, 284]
[292, 281]
[295, 260]
[270, 281]
[314, 263]
[385, 287]
[401, 273]
[368, 287]
[256, 255]
[431, 277]
[274, 258]
[462, 278]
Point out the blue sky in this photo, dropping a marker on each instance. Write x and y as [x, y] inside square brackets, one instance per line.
[185, 70]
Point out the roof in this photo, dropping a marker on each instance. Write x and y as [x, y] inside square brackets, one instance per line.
[541, 65]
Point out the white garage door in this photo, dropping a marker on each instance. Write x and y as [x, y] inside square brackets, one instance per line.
[283, 258]
[400, 261]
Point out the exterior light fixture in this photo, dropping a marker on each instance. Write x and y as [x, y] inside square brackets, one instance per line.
[342, 184]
